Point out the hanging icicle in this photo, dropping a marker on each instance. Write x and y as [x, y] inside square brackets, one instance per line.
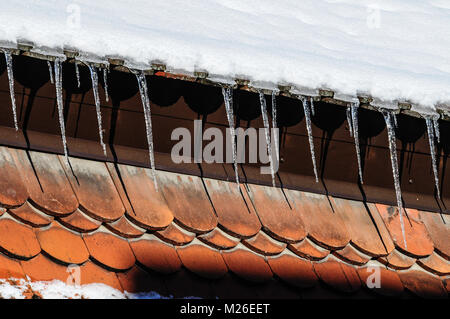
[77, 74]
[50, 71]
[94, 79]
[354, 115]
[142, 82]
[275, 125]
[311, 102]
[431, 137]
[349, 120]
[9, 67]
[389, 119]
[436, 128]
[262, 101]
[59, 102]
[227, 93]
[105, 83]
[307, 111]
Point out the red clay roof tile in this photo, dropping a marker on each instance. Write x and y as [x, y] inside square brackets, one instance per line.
[293, 270]
[10, 268]
[264, 245]
[438, 227]
[246, 264]
[435, 264]
[187, 199]
[80, 222]
[41, 268]
[110, 250]
[418, 241]
[235, 213]
[397, 260]
[137, 280]
[338, 274]
[218, 239]
[175, 235]
[62, 244]
[155, 254]
[202, 260]
[13, 192]
[149, 208]
[307, 249]
[422, 283]
[29, 215]
[124, 228]
[352, 255]
[18, 239]
[446, 282]
[388, 283]
[91, 273]
[277, 218]
[94, 189]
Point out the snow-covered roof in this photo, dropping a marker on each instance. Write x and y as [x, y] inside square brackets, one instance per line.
[390, 49]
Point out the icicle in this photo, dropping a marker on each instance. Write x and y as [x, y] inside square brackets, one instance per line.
[430, 130]
[389, 119]
[310, 136]
[354, 116]
[94, 79]
[59, 101]
[394, 118]
[9, 67]
[142, 82]
[275, 125]
[436, 128]
[349, 120]
[77, 73]
[311, 102]
[262, 101]
[227, 93]
[50, 71]
[105, 82]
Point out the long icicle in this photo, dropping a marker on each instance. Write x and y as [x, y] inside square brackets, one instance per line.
[59, 102]
[9, 67]
[313, 109]
[430, 131]
[275, 125]
[50, 72]
[94, 79]
[388, 118]
[262, 101]
[310, 136]
[349, 120]
[436, 128]
[105, 82]
[77, 74]
[227, 93]
[142, 82]
[354, 115]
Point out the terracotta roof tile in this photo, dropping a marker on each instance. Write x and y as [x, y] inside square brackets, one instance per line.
[80, 222]
[435, 264]
[94, 189]
[124, 228]
[246, 264]
[150, 209]
[155, 254]
[62, 244]
[91, 273]
[263, 244]
[202, 260]
[175, 235]
[110, 250]
[422, 283]
[307, 249]
[388, 283]
[218, 239]
[417, 238]
[235, 213]
[10, 268]
[137, 280]
[18, 239]
[13, 192]
[438, 227]
[352, 255]
[188, 201]
[277, 218]
[338, 274]
[41, 268]
[326, 227]
[397, 260]
[293, 270]
[29, 215]
[446, 282]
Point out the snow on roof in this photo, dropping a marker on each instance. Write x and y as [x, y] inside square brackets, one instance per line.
[390, 49]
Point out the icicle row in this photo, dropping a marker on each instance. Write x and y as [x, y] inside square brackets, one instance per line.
[142, 82]
[354, 115]
[310, 136]
[262, 101]
[50, 71]
[105, 82]
[431, 137]
[389, 119]
[59, 102]
[227, 93]
[275, 125]
[9, 67]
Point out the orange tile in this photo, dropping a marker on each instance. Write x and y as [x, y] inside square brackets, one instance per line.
[125, 228]
[446, 282]
[41, 268]
[202, 260]
[29, 215]
[175, 235]
[389, 281]
[247, 264]
[10, 268]
[110, 250]
[422, 283]
[149, 208]
[155, 254]
[397, 260]
[80, 222]
[137, 280]
[438, 227]
[13, 192]
[338, 275]
[18, 239]
[293, 270]
[277, 218]
[91, 273]
[323, 225]
[435, 264]
[187, 199]
[219, 239]
[352, 255]
[418, 241]
[62, 244]
[235, 213]
[95, 189]
[307, 249]
[264, 245]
